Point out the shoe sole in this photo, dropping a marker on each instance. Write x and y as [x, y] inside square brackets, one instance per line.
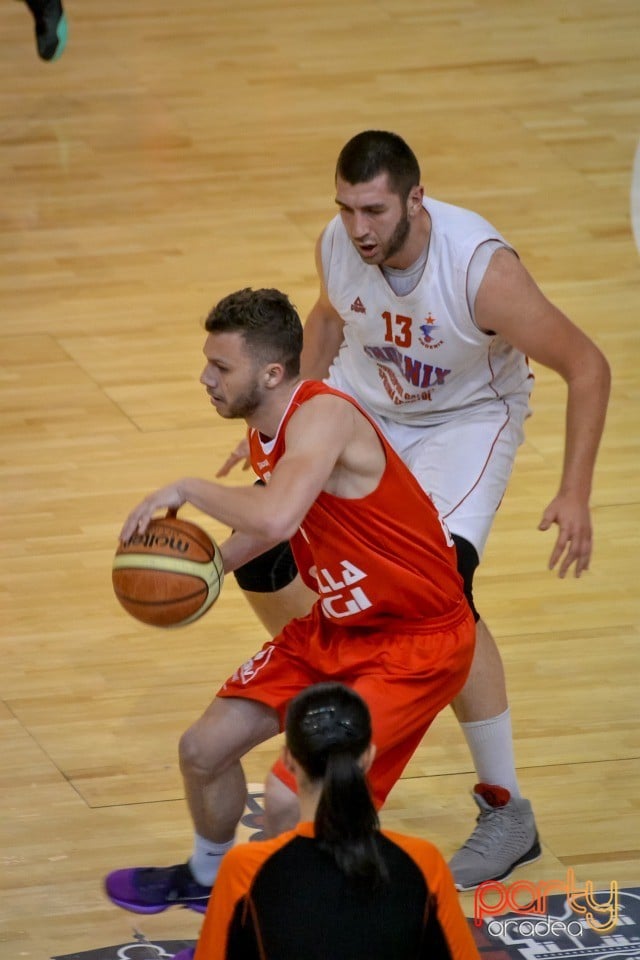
[534, 853]
[62, 32]
[157, 908]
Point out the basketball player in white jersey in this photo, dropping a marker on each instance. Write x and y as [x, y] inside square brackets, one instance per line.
[426, 316]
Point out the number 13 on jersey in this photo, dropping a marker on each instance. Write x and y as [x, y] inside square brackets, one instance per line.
[397, 329]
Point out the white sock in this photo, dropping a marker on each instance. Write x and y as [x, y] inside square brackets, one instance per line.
[206, 858]
[491, 745]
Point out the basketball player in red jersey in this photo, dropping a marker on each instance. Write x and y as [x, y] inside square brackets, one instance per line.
[391, 620]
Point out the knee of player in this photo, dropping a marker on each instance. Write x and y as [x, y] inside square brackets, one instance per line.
[468, 560]
[201, 755]
[269, 572]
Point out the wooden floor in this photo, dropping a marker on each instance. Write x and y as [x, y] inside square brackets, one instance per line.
[179, 151]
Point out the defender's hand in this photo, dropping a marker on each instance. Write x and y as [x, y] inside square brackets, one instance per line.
[574, 542]
[241, 452]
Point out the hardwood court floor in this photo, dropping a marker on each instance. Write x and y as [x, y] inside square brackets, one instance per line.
[177, 152]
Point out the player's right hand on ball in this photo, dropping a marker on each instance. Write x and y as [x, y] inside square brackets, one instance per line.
[167, 498]
[241, 452]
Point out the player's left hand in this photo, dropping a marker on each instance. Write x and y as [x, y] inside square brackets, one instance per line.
[239, 455]
[574, 542]
[167, 498]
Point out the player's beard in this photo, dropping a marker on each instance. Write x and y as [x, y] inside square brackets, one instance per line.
[244, 405]
[398, 238]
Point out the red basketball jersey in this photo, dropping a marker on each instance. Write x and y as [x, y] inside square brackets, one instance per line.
[386, 555]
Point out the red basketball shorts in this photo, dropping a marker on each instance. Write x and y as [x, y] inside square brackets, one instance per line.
[406, 679]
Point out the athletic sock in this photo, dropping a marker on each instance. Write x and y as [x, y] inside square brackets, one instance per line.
[491, 745]
[206, 858]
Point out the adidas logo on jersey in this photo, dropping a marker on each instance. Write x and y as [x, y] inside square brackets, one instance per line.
[358, 306]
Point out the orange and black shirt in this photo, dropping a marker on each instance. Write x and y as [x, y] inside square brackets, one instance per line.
[286, 899]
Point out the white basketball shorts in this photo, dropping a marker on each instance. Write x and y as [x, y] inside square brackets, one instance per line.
[464, 464]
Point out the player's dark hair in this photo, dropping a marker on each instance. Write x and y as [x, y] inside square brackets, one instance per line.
[373, 152]
[328, 728]
[268, 322]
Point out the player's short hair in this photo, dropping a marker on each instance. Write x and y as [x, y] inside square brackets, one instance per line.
[268, 321]
[373, 152]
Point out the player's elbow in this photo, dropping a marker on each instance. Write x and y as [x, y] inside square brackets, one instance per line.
[600, 372]
[590, 369]
[276, 528]
[605, 371]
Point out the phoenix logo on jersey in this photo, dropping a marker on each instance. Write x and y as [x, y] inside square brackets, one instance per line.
[415, 373]
[429, 339]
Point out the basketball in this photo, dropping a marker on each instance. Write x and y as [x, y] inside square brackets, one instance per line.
[170, 575]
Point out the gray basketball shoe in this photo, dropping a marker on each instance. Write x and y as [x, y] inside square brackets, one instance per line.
[505, 837]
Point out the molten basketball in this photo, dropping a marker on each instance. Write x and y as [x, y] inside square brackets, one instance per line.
[169, 575]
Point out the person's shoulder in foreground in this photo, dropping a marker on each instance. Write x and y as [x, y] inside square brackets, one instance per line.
[251, 873]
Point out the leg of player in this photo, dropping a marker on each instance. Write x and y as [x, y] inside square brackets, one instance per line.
[484, 694]
[274, 589]
[275, 610]
[474, 457]
[216, 790]
[505, 835]
[281, 806]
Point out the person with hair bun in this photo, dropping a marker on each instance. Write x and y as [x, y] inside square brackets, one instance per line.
[336, 887]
